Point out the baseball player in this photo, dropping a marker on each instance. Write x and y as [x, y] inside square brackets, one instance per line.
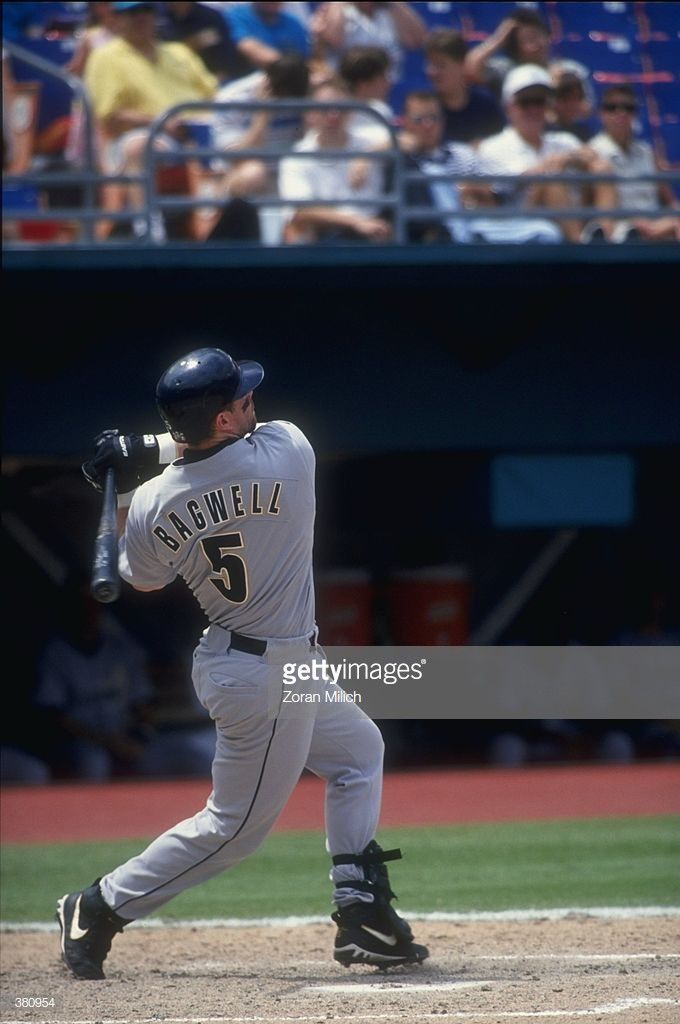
[233, 515]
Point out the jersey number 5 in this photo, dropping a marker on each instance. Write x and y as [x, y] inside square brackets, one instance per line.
[230, 568]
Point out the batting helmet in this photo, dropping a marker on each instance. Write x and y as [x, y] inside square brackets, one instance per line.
[195, 388]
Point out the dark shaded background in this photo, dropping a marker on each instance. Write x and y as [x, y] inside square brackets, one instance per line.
[408, 379]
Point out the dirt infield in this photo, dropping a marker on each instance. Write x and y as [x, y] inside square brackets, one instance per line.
[479, 972]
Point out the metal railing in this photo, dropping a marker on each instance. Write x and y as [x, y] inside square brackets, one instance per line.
[389, 198]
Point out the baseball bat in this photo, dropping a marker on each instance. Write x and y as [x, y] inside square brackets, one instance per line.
[105, 583]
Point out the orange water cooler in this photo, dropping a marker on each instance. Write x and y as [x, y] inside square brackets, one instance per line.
[344, 608]
[430, 607]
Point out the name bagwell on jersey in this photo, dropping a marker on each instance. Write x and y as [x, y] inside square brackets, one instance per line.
[258, 498]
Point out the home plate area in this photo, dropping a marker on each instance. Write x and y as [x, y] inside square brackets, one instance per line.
[623, 970]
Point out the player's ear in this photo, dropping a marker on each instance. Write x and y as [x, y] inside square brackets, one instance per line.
[224, 419]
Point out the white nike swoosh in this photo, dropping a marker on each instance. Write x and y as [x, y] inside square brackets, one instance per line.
[389, 940]
[75, 931]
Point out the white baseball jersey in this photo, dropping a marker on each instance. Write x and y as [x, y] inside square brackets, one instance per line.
[237, 526]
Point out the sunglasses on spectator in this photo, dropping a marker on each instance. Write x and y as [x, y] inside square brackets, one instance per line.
[426, 118]
[611, 108]
[531, 101]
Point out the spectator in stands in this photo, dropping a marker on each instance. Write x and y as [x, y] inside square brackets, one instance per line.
[365, 72]
[470, 114]
[285, 78]
[572, 104]
[422, 141]
[263, 32]
[206, 32]
[629, 157]
[131, 81]
[524, 147]
[101, 27]
[521, 38]
[328, 180]
[393, 27]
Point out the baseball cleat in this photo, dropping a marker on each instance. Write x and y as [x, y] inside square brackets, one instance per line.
[376, 936]
[87, 926]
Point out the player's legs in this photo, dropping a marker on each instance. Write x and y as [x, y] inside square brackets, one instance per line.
[258, 760]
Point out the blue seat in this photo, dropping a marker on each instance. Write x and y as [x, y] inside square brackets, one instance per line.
[662, 17]
[618, 55]
[583, 18]
[664, 54]
[16, 199]
[440, 15]
[667, 98]
[670, 138]
[412, 77]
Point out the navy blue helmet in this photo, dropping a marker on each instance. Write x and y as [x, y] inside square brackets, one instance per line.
[196, 387]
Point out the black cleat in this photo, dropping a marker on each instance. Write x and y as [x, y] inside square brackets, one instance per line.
[87, 926]
[374, 935]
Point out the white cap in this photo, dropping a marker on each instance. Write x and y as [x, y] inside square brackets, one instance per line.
[523, 77]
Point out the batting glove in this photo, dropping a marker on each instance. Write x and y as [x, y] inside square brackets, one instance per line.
[133, 458]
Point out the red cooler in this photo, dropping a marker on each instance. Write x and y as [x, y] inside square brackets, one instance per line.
[344, 608]
[430, 606]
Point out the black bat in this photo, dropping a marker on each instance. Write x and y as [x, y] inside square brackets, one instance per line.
[105, 583]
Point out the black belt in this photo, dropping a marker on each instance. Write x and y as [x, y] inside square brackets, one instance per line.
[247, 644]
[250, 645]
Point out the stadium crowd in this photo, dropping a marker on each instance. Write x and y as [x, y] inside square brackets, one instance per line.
[442, 100]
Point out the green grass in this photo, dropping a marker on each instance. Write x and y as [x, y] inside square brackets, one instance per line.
[596, 862]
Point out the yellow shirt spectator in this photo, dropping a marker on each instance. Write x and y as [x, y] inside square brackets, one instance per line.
[118, 77]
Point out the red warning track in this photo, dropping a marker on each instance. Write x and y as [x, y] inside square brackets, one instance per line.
[132, 810]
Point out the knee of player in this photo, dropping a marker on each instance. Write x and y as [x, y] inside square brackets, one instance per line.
[378, 743]
[373, 749]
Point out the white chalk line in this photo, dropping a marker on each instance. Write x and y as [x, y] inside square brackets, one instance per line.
[585, 958]
[515, 916]
[620, 1006]
[398, 988]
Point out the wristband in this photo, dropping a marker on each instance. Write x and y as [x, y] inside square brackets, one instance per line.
[167, 450]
